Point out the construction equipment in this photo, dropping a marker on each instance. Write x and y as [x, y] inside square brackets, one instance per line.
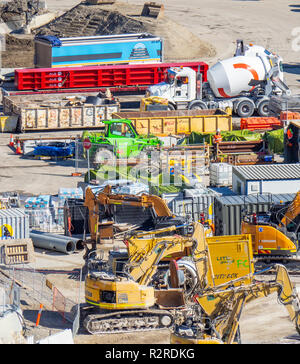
[276, 233]
[145, 212]
[153, 10]
[120, 140]
[214, 319]
[124, 288]
[243, 83]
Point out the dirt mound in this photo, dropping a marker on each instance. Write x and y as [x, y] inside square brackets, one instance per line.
[20, 9]
[88, 20]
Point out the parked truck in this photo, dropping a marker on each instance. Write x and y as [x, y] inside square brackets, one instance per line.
[243, 82]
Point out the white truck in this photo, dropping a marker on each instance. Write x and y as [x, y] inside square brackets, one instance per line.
[243, 82]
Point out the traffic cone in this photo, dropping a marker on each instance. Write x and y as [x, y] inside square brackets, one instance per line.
[19, 150]
[11, 142]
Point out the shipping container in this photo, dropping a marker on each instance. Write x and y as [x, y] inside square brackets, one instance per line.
[53, 112]
[230, 210]
[51, 51]
[177, 122]
[14, 224]
[193, 203]
[117, 78]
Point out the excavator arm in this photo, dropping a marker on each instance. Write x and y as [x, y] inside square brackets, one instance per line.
[293, 211]
[222, 308]
[106, 198]
[221, 304]
[146, 250]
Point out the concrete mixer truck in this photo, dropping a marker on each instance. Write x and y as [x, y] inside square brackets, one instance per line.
[243, 82]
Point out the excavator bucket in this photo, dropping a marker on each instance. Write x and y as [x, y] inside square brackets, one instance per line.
[153, 10]
[169, 298]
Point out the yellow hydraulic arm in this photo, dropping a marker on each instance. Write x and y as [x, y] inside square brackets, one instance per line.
[146, 250]
[293, 210]
[221, 304]
[224, 306]
[106, 198]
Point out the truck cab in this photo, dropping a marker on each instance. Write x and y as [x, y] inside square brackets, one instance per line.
[179, 85]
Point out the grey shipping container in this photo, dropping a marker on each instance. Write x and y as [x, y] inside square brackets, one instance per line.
[229, 210]
[192, 203]
[14, 224]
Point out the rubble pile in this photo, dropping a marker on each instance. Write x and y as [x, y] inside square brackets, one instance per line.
[21, 10]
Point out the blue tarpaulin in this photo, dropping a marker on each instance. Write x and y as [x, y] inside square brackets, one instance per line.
[56, 150]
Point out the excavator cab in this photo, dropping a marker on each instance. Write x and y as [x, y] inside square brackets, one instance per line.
[276, 232]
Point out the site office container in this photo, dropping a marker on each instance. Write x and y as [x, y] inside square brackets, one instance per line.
[115, 77]
[177, 122]
[229, 210]
[51, 51]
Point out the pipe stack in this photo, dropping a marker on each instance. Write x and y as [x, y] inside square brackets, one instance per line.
[60, 243]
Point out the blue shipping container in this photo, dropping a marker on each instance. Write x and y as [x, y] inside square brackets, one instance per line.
[51, 51]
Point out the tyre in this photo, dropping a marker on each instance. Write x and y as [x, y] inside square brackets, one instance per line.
[146, 170]
[263, 107]
[245, 108]
[198, 105]
[171, 107]
[102, 156]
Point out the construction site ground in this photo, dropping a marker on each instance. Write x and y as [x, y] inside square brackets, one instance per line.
[217, 24]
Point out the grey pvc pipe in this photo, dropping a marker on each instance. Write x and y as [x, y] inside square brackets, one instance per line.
[78, 242]
[52, 242]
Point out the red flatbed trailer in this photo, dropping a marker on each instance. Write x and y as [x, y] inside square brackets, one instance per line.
[118, 78]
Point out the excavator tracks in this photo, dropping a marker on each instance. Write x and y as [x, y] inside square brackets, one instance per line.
[128, 321]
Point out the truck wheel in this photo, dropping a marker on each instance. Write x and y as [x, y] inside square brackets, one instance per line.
[171, 107]
[144, 170]
[198, 105]
[103, 156]
[263, 107]
[245, 108]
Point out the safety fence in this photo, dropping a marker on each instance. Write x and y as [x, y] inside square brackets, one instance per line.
[9, 296]
[35, 284]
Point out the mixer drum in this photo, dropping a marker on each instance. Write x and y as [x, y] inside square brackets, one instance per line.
[230, 77]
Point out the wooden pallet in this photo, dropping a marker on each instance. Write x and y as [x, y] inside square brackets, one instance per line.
[19, 251]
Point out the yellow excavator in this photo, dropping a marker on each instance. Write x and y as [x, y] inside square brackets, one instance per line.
[214, 319]
[120, 292]
[275, 233]
[146, 211]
